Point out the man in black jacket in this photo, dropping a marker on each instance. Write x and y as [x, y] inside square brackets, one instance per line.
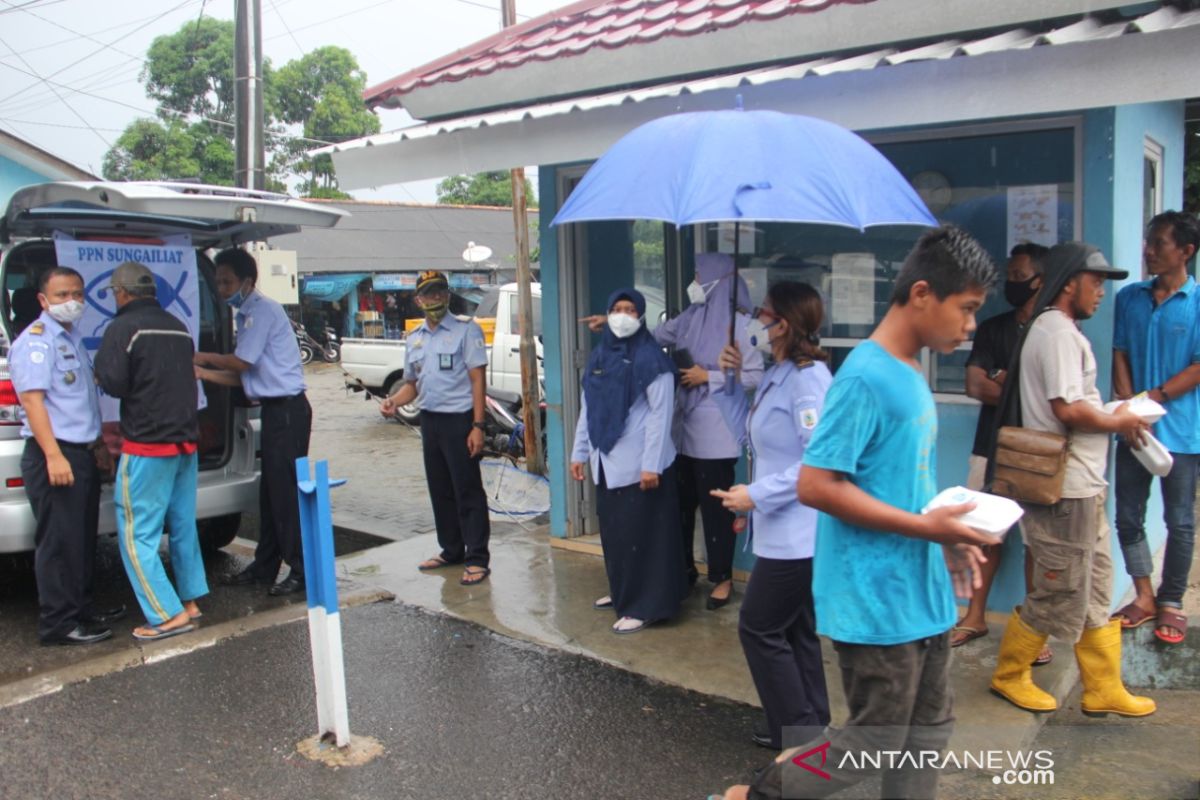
[145, 359]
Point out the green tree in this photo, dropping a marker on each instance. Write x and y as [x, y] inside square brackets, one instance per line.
[482, 189]
[321, 92]
[1191, 167]
[191, 71]
[170, 150]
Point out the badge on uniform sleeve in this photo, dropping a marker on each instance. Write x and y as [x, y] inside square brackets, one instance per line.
[808, 418]
[37, 356]
[69, 377]
[37, 328]
[445, 360]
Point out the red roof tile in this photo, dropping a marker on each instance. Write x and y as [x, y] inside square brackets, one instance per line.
[583, 25]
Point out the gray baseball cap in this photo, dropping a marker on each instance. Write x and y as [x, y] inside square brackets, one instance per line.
[131, 275]
[1069, 258]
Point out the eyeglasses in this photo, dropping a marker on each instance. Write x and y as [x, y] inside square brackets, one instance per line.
[763, 311]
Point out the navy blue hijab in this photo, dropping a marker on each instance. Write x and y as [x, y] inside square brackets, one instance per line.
[618, 372]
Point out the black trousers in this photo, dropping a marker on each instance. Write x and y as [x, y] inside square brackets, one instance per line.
[65, 539]
[455, 488]
[697, 477]
[286, 426]
[778, 630]
[900, 699]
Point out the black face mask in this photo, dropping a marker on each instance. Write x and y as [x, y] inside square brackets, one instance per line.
[1017, 293]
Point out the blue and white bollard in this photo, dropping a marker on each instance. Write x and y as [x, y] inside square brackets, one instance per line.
[324, 621]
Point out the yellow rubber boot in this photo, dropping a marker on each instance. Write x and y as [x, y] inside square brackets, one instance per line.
[1098, 652]
[1013, 678]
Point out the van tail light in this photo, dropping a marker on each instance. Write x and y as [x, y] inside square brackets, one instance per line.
[9, 404]
[13, 483]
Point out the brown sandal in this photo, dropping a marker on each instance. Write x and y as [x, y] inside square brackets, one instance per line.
[1133, 616]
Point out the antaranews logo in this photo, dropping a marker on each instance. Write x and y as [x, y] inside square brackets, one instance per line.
[1011, 768]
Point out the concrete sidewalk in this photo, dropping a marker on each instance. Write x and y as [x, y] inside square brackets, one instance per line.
[543, 594]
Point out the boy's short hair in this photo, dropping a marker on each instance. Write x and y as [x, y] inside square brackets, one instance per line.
[949, 260]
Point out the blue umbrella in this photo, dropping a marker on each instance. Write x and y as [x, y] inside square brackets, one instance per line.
[729, 166]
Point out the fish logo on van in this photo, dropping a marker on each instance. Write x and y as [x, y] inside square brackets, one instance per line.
[99, 296]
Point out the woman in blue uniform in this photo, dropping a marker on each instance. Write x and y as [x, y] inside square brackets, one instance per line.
[624, 433]
[776, 625]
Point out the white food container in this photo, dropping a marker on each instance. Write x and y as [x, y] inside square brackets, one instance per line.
[1154, 457]
[1141, 405]
[993, 515]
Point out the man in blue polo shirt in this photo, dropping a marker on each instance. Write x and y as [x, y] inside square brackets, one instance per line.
[1156, 349]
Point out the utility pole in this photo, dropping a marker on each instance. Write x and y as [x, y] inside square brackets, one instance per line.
[249, 158]
[535, 459]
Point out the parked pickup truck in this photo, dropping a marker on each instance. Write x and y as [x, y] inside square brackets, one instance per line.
[378, 364]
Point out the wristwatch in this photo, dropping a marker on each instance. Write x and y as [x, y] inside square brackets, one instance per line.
[1163, 392]
[994, 373]
[480, 425]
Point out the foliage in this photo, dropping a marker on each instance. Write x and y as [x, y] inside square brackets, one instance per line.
[482, 189]
[190, 74]
[1191, 167]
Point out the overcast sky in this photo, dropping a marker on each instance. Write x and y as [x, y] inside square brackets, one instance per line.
[69, 68]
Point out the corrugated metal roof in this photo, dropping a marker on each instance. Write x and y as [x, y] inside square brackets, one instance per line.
[401, 237]
[1020, 38]
[589, 24]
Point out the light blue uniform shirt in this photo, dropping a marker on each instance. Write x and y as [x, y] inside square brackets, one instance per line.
[879, 428]
[266, 341]
[778, 427]
[1162, 341]
[645, 444]
[47, 357]
[439, 361]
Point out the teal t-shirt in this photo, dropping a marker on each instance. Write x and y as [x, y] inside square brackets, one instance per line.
[879, 428]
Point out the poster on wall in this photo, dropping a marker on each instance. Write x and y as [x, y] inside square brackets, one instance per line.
[178, 288]
[852, 289]
[1032, 215]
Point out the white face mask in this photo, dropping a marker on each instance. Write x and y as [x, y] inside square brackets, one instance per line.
[756, 332]
[697, 292]
[67, 312]
[622, 325]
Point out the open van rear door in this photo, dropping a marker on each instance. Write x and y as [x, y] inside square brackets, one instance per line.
[211, 215]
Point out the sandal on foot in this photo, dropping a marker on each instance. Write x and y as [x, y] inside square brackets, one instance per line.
[1172, 620]
[629, 625]
[1133, 616]
[971, 634]
[603, 602]
[436, 562]
[1044, 657]
[162, 633]
[474, 575]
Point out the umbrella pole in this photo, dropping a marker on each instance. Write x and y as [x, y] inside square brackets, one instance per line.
[730, 374]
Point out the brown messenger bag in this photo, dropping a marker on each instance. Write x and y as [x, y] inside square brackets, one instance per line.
[1030, 465]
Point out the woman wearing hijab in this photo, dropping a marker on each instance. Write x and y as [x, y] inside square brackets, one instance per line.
[777, 625]
[708, 449]
[624, 434]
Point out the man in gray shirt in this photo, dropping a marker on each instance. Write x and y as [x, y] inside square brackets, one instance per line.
[1069, 541]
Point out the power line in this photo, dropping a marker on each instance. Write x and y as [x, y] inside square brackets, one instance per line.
[49, 21]
[58, 125]
[299, 47]
[23, 6]
[103, 48]
[63, 100]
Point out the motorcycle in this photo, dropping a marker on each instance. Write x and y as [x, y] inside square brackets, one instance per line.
[330, 351]
[504, 425]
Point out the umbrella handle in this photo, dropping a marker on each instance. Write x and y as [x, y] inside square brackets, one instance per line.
[731, 374]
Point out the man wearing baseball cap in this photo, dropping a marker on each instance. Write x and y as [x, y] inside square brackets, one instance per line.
[1071, 588]
[444, 371]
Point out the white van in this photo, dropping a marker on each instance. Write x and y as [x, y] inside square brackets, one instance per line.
[213, 217]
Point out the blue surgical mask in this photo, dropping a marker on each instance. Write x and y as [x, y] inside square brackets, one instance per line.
[238, 297]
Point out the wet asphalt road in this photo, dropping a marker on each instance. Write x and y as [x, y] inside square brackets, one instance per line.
[460, 712]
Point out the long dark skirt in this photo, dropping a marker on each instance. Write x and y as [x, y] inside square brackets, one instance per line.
[643, 548]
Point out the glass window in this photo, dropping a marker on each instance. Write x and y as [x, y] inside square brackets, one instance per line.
[514, 320]
[1004, 188]
[650, 268]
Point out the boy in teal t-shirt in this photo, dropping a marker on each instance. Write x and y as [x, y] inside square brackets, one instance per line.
[883, 572]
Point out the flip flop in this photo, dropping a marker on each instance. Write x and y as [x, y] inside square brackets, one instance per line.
[435, 562]
[1044, 657]
[972, 634]
[163, 633]
[1170, 618]
[474, 575]
[603, 602]
[629, 625]
[1133, 616]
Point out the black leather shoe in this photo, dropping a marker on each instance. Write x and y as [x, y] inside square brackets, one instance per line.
[103, 617]
[243, 578]
[713, 603]
[81, 635]
[763, 740]
[290, 584]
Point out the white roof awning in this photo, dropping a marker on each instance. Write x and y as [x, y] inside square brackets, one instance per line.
[1013, 73]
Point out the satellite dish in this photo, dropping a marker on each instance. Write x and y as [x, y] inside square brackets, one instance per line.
[476, 253]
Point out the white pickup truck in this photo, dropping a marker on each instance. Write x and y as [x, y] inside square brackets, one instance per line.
[378, 364]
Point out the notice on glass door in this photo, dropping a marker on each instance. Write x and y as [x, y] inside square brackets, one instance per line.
[852, 289]
[1032, 215]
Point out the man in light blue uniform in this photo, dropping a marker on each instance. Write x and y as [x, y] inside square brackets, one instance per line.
[52, 373]
[444, 370]
[266, 364]
[1156, 349]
